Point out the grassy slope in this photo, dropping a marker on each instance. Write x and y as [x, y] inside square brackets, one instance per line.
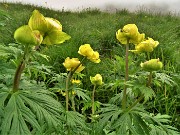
[98, 29]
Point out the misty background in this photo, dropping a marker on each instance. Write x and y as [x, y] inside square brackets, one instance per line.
[163, 6]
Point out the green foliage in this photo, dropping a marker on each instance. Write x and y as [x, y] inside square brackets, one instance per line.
[137, 121]
[36, 110]
[27, 111]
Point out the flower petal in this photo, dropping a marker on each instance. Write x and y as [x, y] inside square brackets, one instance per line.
[55, 37]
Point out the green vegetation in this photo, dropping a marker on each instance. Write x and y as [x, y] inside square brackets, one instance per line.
[41, 102]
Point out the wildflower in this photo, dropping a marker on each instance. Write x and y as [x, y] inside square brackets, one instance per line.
[146, 46]
[74, 81]
[129, 33]
[72, 64]
[88, 52]
[30, 38]
[96, 80]
[49, 28]
[152, 65]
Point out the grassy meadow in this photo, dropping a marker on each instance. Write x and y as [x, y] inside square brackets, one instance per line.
[99, 30]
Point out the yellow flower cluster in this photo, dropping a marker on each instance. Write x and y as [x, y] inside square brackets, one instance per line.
[129, 34]
[96, 80]
[88, 52]
[72, 64]
[41, 30]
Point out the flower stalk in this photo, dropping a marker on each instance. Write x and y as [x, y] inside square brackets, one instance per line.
[17, 76]
[93, 94]
[67, 91]
[19, 70]
[126, 76]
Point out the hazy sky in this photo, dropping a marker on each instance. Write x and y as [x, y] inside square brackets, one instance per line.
[154, 5]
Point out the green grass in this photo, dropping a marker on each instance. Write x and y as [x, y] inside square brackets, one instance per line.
[98, 29]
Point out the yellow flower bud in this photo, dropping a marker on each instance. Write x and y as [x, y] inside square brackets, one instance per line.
[152, 65]
[86, 50]
[96, 80]
[71, 64]
[26, 36]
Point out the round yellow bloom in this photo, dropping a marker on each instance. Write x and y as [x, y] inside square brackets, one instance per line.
[96, 80]
[130, 34]
[71, 64]
[86, 50]
[147, 45]
[152, 65]
[130, 31]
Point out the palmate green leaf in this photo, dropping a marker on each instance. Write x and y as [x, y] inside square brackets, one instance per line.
[47, 109]
[29, 110]
[160, 122]
[139, 124]
[81, 94]
[13, 122]
[108, 115]
[74, 118]
[146, 91]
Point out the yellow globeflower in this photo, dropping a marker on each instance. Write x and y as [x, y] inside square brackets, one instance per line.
[86, 50]
[71, 64]
[96, 80]
[121, 37]
[147, 45]
[152, 65]
[95, 57]
[130, 34]
[50, 29]
[130, 31]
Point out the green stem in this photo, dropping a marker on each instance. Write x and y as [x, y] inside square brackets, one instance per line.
[19, 70]
[73, 103]
[70, 74]
[93, 93]
[149, 79]
[126, 77]
[17, 76]
[67, 91]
